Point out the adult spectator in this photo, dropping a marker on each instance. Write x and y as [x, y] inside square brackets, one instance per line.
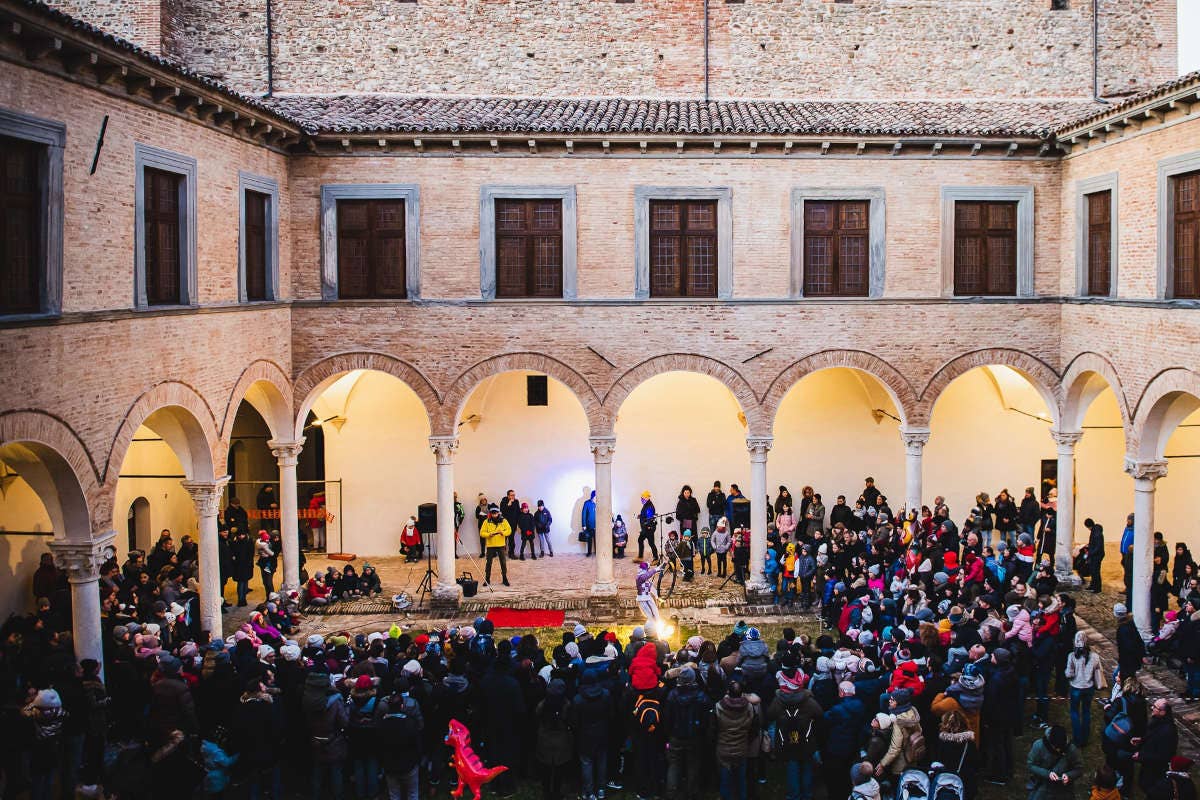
[1156, 748]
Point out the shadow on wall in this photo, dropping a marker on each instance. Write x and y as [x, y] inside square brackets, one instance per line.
[573, 523]
[20, 555]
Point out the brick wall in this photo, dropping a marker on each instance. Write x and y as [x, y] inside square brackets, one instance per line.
[605, 187]
[99, 209]
[776, 48]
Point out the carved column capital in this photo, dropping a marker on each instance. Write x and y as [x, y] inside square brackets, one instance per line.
[286, 453]
[206, 495]
[914, 440]
[443, 448]
[82, 560]
[1146, 470]
[758, 447]
[1066, 440]
[602, 448]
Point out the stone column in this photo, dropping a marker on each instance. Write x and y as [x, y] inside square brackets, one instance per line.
[82, 562]
[914, 447]
[445, 592]
[757, 589]
[286, 454]
[1064, 523]
[602, 455]
[1145, 475]
[207, 497]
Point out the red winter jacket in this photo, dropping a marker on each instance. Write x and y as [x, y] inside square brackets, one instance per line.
[906, 677]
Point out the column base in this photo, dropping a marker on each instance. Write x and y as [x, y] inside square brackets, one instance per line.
[445, 598]
[1068, 579]
[758, 592]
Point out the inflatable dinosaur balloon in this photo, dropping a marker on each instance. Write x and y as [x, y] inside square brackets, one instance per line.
[471, 771]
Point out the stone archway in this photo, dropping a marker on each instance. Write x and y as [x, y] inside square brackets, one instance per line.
[896, 385]
[1039, 374]
[446, 417]
[757, 423]
[314, 379]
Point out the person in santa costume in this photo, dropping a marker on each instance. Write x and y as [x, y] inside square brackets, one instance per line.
[411, 545]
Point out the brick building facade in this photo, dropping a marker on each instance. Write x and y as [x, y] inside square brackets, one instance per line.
[95, 362]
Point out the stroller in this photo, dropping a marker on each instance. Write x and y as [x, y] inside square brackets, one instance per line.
[937, 784]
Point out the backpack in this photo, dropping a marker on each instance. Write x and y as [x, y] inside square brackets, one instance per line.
[913, 746]
[1119, 727]
[791, 733]
[648, 713]
[363, 716]
[401, 723]
[689, 719]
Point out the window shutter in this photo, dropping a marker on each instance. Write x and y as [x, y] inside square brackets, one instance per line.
[20, 225]
[162, 244]
[529, 248]
[683, 248]
[1187, 235]
[371, 249]
[985, 248]
[836, 248]
[1099, 243]
[257, 259]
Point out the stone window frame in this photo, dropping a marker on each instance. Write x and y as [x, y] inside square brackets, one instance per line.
[876, 196]
[1108, 182]
[410, 193]
[642, 195]
[249, 182]
[489, 194]
[147, 156]
[1023, 196]
[53, 135]
[1168, 168]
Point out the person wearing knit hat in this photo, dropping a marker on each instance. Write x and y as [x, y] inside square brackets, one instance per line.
[884, 720]
[579, 631]
[169, 665]
[290, 652]
[412, 669]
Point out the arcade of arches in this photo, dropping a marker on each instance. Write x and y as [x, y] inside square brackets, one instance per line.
[390, 440]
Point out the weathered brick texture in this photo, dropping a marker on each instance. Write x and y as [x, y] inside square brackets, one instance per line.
[760, 48]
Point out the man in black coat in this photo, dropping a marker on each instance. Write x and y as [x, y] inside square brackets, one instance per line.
[1029, 512]
[510, 509]
[1130, 647]
[241, 549]
[1095, 552]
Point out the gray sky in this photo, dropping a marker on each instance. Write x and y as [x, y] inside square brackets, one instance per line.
[1189, 35]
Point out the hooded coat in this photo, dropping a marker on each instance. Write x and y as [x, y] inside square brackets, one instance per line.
[806, 710]
[326, 715]
[737, 722]
[1044, 759]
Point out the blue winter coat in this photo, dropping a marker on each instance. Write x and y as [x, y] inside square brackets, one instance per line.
[588, 522]
[216, 767]
[845, 722]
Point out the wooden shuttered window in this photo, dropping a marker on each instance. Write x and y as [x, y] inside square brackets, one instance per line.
[1186, 224]
[985, 248]
[371, 249]
[164, 248]
[683, 248]
[1099, 244]
[837, 260]
[529, 248]
[258, 259]
[21, 216]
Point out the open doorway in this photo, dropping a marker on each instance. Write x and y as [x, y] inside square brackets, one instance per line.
[138, 525]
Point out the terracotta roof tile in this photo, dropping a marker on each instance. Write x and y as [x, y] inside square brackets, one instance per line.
[373, 113]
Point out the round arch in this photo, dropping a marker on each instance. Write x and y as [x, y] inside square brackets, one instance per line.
[1169, 398]
[1086, 378]
[52, 459]
[892, 381]
[756, 420]
[316, 378]
[445, 420]
[177, 413]
[266, 387]
[1044, 379]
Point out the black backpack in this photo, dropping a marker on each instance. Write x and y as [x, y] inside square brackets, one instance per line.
[688, 722]
[792, 732]
[648, 713]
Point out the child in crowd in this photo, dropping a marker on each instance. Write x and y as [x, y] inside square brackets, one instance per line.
[705, 549]
[541, 523]
[620, 537]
